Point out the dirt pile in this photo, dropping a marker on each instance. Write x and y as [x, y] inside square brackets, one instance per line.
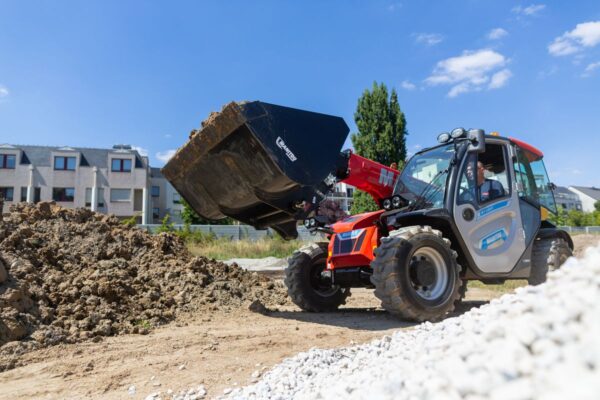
[71, 275]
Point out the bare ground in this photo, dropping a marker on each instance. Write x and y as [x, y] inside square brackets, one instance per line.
[217, 349]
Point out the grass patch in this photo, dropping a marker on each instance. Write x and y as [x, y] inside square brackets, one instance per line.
[506, 287]
[223, 249]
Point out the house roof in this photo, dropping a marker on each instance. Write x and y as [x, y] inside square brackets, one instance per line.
[41, 155]
[155, 173]
[563, 190]
[592, 192]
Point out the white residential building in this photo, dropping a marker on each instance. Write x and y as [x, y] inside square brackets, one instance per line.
[113, 181]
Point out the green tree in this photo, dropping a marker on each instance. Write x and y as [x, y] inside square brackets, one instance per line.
[381, 135]
[597, 205]
[560, 218]
[190, 217]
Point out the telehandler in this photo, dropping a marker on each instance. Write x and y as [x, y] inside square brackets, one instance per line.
[473, 207]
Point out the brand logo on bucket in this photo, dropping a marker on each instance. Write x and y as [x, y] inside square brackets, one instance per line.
[282, 146]
[386, 178]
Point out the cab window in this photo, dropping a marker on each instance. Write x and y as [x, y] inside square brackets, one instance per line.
[532, 179]
[484, 177]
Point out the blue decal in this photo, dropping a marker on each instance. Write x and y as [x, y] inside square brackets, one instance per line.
[350, 235]
[495, 237]
[493, 208]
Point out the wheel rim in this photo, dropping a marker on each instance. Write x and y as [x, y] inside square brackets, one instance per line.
[435, 264]
[318, 284]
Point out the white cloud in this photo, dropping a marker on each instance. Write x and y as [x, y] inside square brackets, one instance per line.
[497, 33]
[530, 10]
[543, 74]
[471, 71]
[168, 136]
[428, 39]
[499, 79]
[590, 69]
[586, 34]
[3, 92]
[165, 156]
[394, 6]
[143, 152]
[407, 85]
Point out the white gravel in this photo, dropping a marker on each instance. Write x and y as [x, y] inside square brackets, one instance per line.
[539, 343]
[259, 264]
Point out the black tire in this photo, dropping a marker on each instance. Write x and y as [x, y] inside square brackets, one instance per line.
[548, 255]
[394, 277]
[301, 279]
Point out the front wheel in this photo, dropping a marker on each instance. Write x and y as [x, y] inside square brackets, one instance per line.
[416, 275]
[306, 287]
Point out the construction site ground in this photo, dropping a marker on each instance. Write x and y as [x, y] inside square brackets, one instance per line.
[215, 348]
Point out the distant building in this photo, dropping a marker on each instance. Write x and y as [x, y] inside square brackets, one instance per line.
[343, 195]
[566, 199]
[588, 195]
[115, 181]
[165, 199]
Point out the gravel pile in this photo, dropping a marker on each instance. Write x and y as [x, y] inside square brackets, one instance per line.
[71, 275]
[541, 342]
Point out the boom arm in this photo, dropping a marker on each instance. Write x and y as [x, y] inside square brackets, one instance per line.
[371, 177]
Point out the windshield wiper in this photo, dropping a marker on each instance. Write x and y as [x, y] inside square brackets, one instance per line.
[421, 199]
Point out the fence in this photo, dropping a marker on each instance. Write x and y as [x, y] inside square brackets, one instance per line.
[581, 229]
[238, 232]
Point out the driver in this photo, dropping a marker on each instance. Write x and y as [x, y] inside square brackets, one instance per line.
[487, 189]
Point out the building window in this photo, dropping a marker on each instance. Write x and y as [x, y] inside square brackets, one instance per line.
[7, 193]
[88, 197]
[156, 213]
[155, 191]
[8, 161]
[120, 195]
[176, 198]
[349, 192]
[120, 165]
[63, 194]
[36, 194]
[64, 163]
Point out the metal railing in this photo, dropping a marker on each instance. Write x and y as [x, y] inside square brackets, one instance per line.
[581, 229]
[237, 232]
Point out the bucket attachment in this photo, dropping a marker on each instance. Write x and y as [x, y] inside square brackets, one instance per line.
[256, 162]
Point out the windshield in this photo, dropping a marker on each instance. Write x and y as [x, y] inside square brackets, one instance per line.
[423, 180]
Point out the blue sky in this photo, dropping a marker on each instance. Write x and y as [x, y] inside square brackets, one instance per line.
[94, 74]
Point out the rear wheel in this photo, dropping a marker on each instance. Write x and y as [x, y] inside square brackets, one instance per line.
[548, 255]
[416, 275]
[307, 289]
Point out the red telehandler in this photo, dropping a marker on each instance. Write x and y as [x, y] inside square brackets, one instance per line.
[473, 207]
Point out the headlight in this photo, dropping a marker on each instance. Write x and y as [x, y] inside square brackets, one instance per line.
[307, 223]
[396, 201]
[443, 137]
[458, 132]
[387, 204]
[313, 222]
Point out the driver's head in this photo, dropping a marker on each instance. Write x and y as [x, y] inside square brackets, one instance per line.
[480, 173]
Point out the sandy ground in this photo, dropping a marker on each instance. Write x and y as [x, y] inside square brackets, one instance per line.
[219, 350]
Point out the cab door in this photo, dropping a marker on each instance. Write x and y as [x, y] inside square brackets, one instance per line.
[487, 211]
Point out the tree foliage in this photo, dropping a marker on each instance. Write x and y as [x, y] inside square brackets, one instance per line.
[381, 135]
[597, 205]
[190, 217]
[575, 218]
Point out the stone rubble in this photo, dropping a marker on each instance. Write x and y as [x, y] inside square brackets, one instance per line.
[540, 342]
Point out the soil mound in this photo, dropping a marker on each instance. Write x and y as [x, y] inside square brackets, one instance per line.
[70, 275]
